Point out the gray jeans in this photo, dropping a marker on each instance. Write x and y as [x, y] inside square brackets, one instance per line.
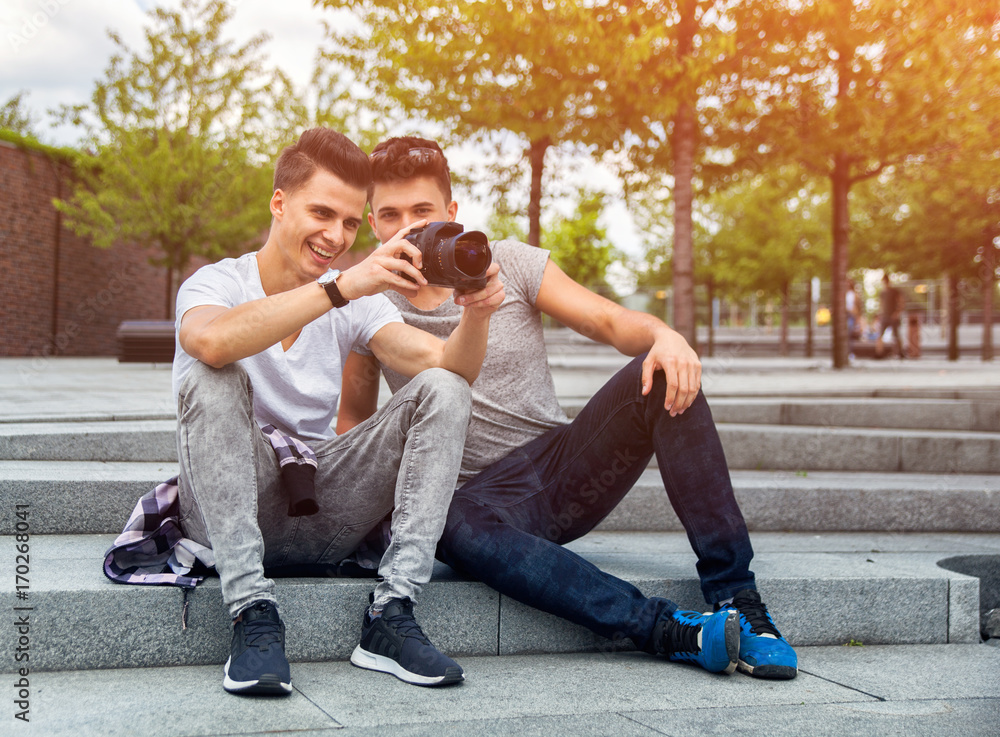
[404, 458]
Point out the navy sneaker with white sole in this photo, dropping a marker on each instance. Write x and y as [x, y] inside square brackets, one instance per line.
[257, 664]
[709, 640]
[393, 642]
[764, 653]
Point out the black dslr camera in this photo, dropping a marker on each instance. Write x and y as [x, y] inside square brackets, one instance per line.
[452, 257]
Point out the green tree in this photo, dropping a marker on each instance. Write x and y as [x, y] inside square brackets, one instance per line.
[182, 133]
[762, 234]
[673, 57]
[941, 221]
[609, 75]
[770, 233]
[531, 68]
[580, 245]
[14, 116]
[866, 86]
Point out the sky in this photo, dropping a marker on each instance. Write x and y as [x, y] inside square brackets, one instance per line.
[56, 50]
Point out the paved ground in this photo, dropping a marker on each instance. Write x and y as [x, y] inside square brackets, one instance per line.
[842, 690]
[932, 690]
[72, 388]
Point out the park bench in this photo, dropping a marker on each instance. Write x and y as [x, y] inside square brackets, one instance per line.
[146, 341]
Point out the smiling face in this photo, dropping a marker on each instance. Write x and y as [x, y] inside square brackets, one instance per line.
[396, 204]
[314, 225]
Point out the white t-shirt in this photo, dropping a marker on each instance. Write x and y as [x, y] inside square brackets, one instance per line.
[297, 390]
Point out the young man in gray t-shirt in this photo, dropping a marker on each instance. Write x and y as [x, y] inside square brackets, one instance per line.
[533, 480]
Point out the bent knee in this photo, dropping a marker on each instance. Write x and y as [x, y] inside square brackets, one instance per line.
[216, 382]
[443, 386]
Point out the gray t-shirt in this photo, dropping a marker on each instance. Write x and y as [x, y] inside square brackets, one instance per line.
[514, 399]
[297, 390]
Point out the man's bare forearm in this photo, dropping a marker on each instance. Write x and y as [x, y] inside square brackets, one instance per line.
[252, 327]
[628, 331]
[465, 348]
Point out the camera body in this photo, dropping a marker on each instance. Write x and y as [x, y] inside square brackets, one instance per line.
[452, 257]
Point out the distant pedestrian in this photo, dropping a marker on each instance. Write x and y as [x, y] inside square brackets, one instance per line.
[853, 304]
[891, 312]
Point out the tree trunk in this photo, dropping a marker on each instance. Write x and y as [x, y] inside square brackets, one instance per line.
[809, 319]
[989, 286]
[537, 156]
[684, 143]
[840, 180]
[711, 317]
[954, 314]
[783, 345]
[683, 251]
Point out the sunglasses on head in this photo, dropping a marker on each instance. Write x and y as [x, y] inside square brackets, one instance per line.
[421, 155]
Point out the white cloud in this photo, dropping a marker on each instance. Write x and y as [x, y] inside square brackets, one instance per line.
[57, 49]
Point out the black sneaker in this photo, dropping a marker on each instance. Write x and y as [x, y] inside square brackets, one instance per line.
[394, 643]
[257, 664]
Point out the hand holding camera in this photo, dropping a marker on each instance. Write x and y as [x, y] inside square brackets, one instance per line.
[450, 256]
[439, 254]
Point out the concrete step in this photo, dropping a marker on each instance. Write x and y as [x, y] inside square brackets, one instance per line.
[868, 412]
[118, 440]
[821, 589]
[583, 378]
[748, 446]
[824, 501]
[77, 496]
[914, 414]
[94, 497]
[789, 447]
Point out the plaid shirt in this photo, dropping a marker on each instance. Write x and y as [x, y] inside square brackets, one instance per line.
[152, 548]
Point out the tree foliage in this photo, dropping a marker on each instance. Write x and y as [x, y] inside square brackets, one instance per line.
[182, 134]
[758, 235]
[580, 245]
[867, 85]
[531, 68]
[608, 75]
[15, 117]
[699, 102]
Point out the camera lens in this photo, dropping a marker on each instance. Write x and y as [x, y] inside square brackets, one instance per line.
[471, 258]
[452, 258]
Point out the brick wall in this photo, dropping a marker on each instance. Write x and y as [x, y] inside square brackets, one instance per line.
[60, 294]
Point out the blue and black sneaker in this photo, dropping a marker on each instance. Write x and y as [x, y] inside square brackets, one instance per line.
[257, 663]
[709, 640]
[764, 653]
[393, 642]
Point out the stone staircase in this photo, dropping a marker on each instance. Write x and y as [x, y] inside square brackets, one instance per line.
[852, 502]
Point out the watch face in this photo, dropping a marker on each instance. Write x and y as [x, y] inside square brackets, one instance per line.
[328, 277]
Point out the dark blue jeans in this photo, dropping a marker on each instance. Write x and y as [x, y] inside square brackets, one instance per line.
[506, 526]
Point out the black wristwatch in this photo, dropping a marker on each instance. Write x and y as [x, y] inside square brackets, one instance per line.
[329, 282]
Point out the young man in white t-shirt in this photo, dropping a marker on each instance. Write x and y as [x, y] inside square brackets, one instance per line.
[532, 480]
[262, 340]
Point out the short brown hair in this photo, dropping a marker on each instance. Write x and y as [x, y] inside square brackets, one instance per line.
[392, 161]
[322, 148]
